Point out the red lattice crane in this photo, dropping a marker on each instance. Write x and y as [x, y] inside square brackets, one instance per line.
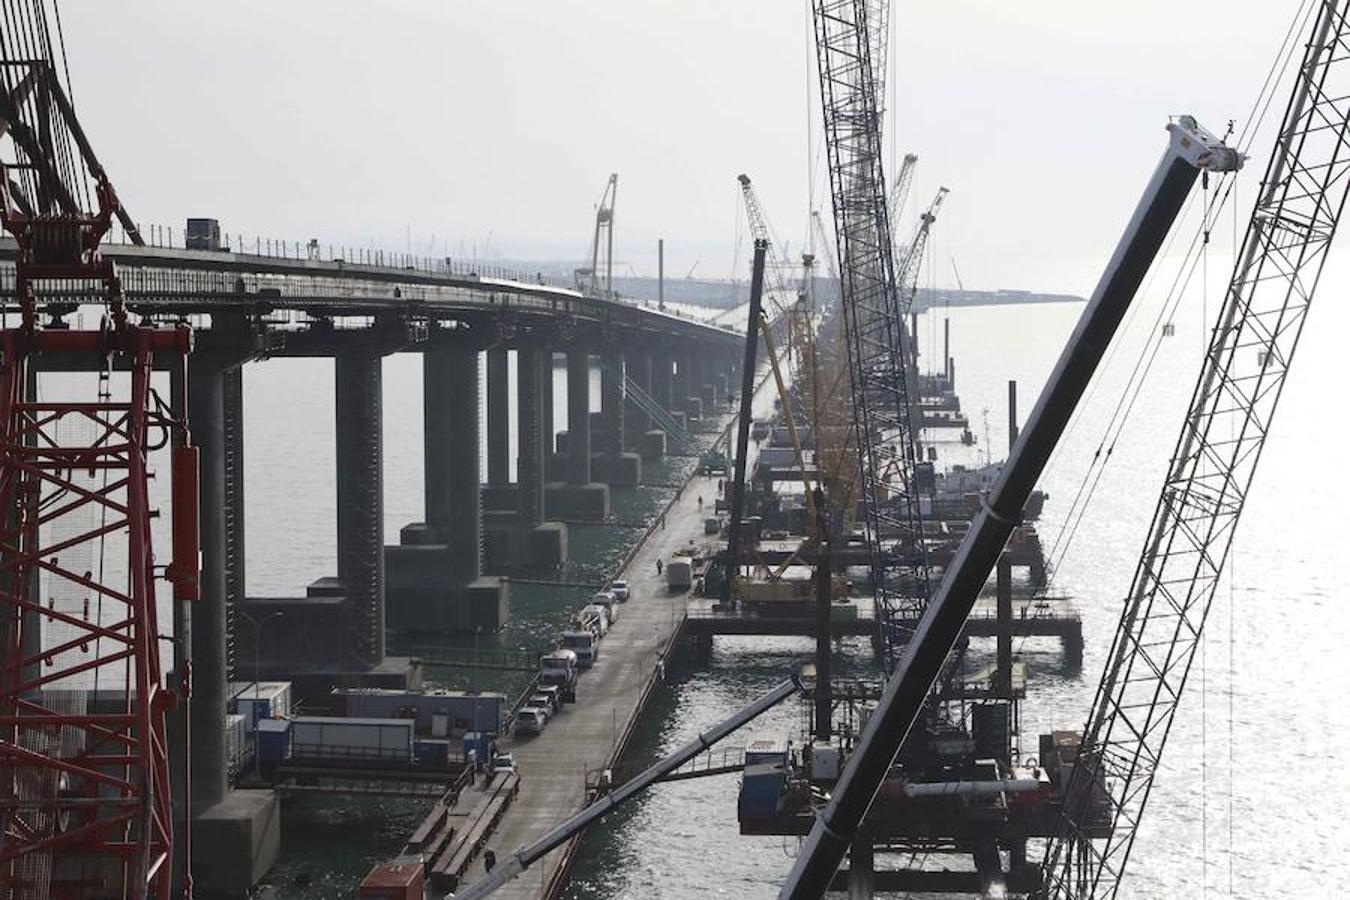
[84, 758]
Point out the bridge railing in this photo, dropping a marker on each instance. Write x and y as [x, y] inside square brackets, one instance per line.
[166, 237]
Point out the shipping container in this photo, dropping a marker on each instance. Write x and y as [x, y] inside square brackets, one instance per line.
[274, 744]
[761, 791]
[393, 881]
[351, 739]
[463, 710]
[259, 700]
[431, 752]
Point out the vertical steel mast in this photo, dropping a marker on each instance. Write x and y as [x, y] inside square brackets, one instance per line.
[1279, 265]
[1190, 149]
[874, 328]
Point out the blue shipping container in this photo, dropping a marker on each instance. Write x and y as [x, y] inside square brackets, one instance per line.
[432, 752]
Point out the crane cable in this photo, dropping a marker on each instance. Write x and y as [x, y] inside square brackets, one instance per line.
[1148, 354]
[1255, 117]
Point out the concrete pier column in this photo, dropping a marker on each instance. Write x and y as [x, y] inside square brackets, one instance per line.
[464, 520]
[663, 380]
[433, 577]
[236, 835]
[451, 392]
[578, 416]
[546, 407]
[437, 394]
[360, 499]
[206, 413]
[529, 434]
[234, 507]
[498, 419]
[687, 396]
[638, 365]
[611, 401]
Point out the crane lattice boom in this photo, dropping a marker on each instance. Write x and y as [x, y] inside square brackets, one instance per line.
[1287, 238]
[913, 255]
[873, 326]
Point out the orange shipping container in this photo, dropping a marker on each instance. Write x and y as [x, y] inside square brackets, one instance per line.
[393, 881]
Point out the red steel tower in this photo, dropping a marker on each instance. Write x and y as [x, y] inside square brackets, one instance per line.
[84, 760]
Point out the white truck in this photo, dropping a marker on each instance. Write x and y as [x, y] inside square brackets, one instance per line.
[584, 644]
[680, 573]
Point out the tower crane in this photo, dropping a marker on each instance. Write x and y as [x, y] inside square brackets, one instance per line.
[825, 241]
[1243, 374]
[874, 328]
[759, 230]
[912, 259]
[900, 190]
[588, 278]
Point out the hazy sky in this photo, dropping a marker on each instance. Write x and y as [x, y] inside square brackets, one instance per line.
[359, 122]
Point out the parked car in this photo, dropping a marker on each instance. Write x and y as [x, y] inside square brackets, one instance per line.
[529, 720]
[620, 591]
[503, 762]
[540, 701]
[553, 694]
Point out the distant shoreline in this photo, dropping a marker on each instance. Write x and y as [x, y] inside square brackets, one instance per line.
[925, 300]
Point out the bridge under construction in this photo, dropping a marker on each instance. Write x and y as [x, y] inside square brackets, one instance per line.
[817, 481]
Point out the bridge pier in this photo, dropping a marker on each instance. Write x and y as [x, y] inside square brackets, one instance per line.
[497, 495]
[612, 464]
[688, 398]
[236, 835]
[524, 539]
[580, 497]
[335, 632]
[650, 441]
[434, 574]
[359, 393]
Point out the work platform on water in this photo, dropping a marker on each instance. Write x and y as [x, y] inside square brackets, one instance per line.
[1043, 617]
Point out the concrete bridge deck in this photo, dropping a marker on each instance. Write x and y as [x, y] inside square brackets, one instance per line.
[180, 282]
